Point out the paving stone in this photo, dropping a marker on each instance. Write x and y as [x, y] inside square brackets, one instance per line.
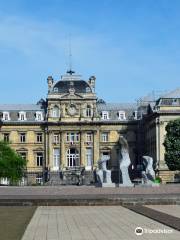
[92, 223]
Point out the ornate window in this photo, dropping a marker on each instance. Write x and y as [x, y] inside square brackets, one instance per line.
[55, 112]
[88, 111]
[6, 137]
[56, 138]
[72, 137]
[22, 116]
[104, 137]
[6, 116]
[89, 137]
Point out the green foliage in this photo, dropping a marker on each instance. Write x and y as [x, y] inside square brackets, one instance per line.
[11, 164]
[157, 180]
[172, 145]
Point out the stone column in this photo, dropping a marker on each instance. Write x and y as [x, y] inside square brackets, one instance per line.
[50, 149]
[62, 149]
[96, 145]
[82, 150]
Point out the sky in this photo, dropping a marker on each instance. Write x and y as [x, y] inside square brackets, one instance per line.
[131, 46]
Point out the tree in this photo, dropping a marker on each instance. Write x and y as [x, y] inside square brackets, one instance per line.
[11, 164]
[172, 145]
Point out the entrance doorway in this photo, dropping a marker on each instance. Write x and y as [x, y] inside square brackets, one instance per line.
[72, 157]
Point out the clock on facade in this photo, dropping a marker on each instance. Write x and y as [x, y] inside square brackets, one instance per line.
[72, 110]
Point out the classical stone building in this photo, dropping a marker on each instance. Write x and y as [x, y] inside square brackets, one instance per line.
[72, 127]
[155, 114]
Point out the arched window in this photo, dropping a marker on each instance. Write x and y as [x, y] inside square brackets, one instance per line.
[56, 112]
[88, 111]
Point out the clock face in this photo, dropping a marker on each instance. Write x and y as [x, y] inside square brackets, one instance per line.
[72, 110]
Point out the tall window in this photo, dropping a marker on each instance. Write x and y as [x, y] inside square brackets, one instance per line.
[105, 115]
[56, 138]
[6, 137]
[22, 116]
[39, 159]
[89, 137]
[39, 137]
[22, 137]
[55, 112]
[89, 157]
[72, 137]
[104, 137]
[56, 157]
[72, 157]
[6, 116]
[88, 111]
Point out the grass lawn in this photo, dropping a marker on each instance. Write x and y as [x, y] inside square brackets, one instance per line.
[13, 221]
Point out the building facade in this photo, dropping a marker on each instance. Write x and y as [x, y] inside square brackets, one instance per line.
[72, 128]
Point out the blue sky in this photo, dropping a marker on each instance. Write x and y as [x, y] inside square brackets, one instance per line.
[131, 46]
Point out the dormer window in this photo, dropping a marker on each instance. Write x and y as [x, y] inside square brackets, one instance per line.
[22, 116]
[55, 89]
[88, 89]
[39, 116]
[122, 115]
[175, 102]
[55, 112]
[6, 116]
[105, 115]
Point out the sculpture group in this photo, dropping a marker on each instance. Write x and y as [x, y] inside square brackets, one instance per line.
[104, 175]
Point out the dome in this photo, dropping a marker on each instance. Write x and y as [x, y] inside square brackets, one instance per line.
[80, 86]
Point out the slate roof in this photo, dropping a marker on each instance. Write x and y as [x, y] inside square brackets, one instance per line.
[14, 110]
[114, 108]
[20, 107]
[80, 86]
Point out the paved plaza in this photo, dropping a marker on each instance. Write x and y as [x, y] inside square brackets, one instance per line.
[93, 223]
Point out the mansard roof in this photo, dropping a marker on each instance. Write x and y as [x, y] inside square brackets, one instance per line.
[80, 86]
[15, 109]
[20, 107]
[115, 106]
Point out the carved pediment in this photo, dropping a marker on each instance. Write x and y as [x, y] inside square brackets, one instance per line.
[71, 95]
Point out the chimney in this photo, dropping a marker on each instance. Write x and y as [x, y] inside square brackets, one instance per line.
[50, 82]
[92, 81]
